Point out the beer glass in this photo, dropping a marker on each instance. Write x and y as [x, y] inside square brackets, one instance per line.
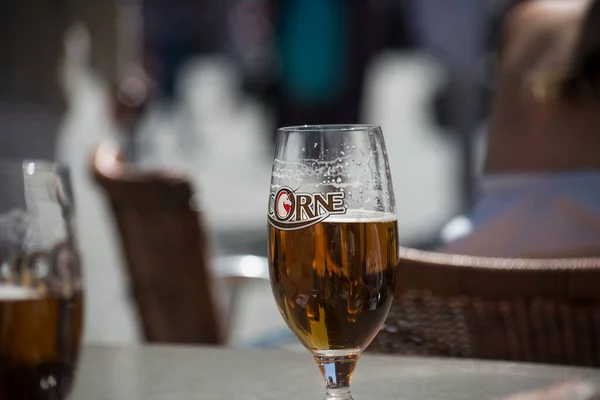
[40, 283]
[332, 242]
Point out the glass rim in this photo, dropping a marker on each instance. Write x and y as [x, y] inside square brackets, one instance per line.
[38, 165]
[326, 127]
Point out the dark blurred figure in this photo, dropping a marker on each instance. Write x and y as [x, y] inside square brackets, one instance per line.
[457, 34]
[176, 31]
[163, 37]
[325, 47]
[540, 195]
[32, 41]
[320, 51]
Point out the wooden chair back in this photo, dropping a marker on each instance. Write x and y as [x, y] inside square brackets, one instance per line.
[165, 249]
[534, 310]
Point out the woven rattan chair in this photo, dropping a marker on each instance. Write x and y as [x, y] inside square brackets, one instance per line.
[165, 251]
[545, 310]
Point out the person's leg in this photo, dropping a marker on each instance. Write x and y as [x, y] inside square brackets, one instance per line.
[455, 33]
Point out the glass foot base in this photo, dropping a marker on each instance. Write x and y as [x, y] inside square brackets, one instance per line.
[337, 367]
[338, 394]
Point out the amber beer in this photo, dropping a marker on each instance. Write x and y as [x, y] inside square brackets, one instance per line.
[334, 281]
[39, 343]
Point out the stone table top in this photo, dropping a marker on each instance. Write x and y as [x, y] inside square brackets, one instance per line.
[179, 372]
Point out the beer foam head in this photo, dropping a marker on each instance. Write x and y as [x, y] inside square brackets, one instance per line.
[360, 215]
[13, 292]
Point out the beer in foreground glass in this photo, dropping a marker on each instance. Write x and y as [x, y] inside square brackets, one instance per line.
[39, 343]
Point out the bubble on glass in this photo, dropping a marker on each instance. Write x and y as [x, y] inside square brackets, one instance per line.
[303, 149]
[350, 193]
[358, 163]
[315, 145]
[342, 153]
[360, 190]
[339, 180]
[353, 147]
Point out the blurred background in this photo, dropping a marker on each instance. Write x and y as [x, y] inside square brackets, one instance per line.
[200, 86]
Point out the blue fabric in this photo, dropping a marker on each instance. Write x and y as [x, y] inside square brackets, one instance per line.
[313, 49]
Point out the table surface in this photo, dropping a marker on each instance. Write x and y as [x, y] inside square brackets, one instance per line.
[174, 373]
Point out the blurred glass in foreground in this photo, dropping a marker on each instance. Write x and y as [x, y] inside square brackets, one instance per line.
[41, 301]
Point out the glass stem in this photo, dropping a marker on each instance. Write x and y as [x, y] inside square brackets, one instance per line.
[337, 367]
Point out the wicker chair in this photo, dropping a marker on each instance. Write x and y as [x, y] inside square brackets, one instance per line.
[533, 310]
[165, 251]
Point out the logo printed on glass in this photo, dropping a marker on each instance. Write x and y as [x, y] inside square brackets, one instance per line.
[289, 210]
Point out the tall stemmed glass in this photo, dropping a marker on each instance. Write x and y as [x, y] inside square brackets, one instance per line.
[332, 242]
